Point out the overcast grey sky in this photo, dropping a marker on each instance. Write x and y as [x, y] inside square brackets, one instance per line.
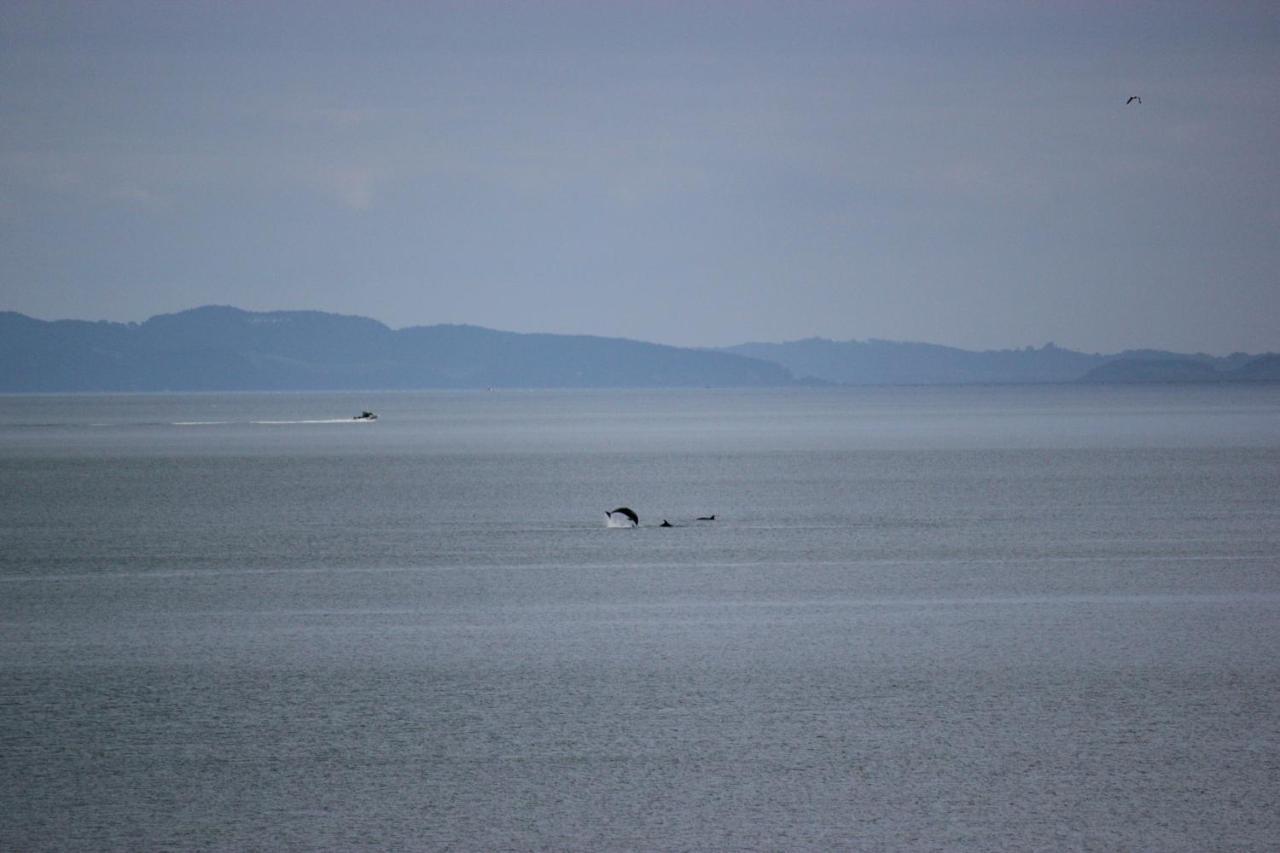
[696, 173]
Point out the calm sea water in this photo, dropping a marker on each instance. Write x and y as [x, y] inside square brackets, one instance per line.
[989, 618]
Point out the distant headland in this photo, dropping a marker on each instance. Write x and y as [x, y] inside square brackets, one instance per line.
[219, 348]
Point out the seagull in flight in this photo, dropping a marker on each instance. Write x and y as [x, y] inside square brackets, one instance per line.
[1132, 98]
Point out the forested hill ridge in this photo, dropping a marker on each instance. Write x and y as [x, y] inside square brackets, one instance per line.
[228, 349]
[877, 362]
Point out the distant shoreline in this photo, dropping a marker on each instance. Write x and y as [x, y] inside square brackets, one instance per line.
[225, 349]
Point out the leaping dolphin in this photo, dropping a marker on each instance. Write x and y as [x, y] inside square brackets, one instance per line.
[621, 513]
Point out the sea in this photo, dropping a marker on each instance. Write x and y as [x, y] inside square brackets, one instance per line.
[973, 618]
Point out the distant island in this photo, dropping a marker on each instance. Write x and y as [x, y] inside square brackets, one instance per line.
[219, 348]
[876, 362]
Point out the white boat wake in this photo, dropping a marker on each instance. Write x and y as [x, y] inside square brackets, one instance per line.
[276, 423]
[316, 421]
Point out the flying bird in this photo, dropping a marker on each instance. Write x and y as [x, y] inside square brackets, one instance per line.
[1132, 98]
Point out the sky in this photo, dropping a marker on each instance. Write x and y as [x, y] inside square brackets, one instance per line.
[690, 173]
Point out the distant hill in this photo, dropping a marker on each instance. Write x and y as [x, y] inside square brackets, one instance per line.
[876, 362]
[227, 349]
[1153, 370]
[1264, 368]
[224, 349]
[1130, 368]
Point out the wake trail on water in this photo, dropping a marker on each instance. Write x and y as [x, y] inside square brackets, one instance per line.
[271, 423]
[314, 421]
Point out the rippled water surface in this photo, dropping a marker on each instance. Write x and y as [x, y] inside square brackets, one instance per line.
[993, 618]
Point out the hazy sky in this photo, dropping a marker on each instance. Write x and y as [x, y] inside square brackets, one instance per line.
[683, 172]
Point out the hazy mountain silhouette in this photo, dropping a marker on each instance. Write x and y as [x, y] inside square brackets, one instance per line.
[222, 349]
[876, 362]
[1264, 368]
[226, 349]
[1144, 368]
